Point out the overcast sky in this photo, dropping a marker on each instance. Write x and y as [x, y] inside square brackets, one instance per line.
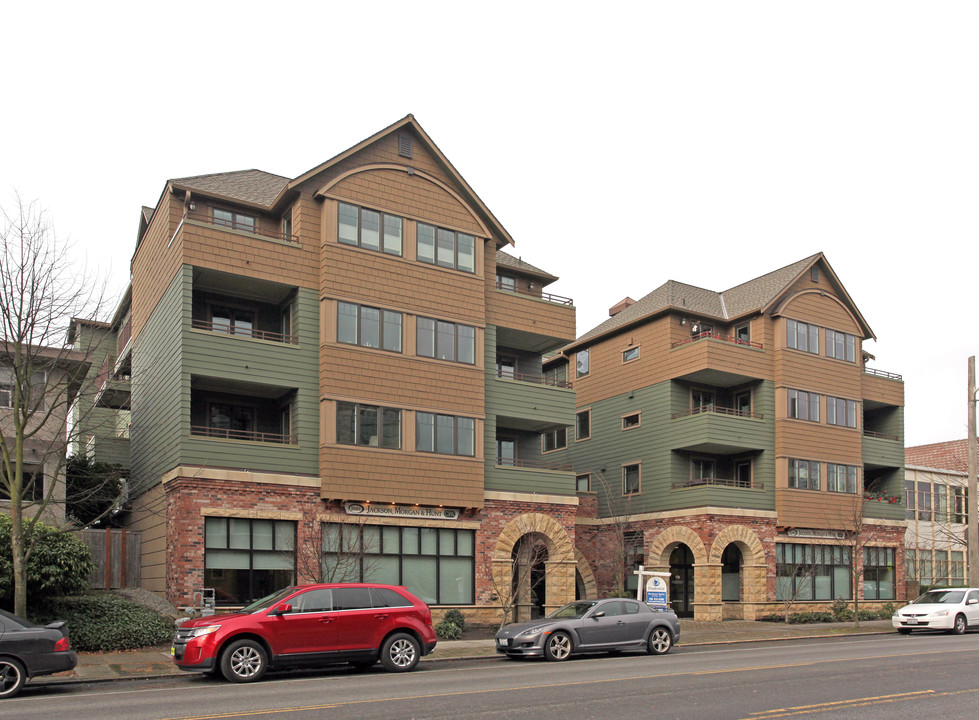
[621, 144]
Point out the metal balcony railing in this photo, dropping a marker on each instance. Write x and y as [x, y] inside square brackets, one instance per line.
[244, 332]
[883, 374]
[880, 436]
[718, 336]
[701, 409]
[722, 482]
[533, 464]
[250, 435]
[536, 379]
[548, 297]
[252, 228]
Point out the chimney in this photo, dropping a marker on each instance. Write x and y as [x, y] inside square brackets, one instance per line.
[620, 306]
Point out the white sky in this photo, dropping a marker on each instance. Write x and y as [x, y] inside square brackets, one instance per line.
[621, 144]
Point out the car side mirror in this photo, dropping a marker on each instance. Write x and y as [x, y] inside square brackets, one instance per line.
[282, 609]
[599, 614]
[972, 601]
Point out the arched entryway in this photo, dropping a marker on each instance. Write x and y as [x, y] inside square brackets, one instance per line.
[533, 567]
[731, 574]
[682, 586]
[739, 557]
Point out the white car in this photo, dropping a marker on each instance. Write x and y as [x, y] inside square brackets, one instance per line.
[952, 609]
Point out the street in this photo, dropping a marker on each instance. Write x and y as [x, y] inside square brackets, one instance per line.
[883, 676]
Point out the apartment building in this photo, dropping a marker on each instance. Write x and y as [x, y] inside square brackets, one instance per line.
[738, 441]
[935, 491]
[339, 376]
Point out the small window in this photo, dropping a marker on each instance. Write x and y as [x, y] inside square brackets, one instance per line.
[506, 282]
[814, 274]
[583, 482]
[742, 403]
[742, 473]
[554, 439]
[583, 425]
[630, 354]
[582, 363]
[287, 227]
[631, 479]
[233, 220]
[630, 421]
[742, 334]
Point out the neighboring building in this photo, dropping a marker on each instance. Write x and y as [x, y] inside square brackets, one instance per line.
[339, 375]
[935, 491]
[737, 440]
[50, 379]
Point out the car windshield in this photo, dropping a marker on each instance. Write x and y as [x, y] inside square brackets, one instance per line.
[268, 601]
[573, 611]
[941, 597]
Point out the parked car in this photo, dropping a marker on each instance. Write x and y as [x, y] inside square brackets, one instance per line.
[589, 626]
[952, 609]
[310, 625]
[28, 650]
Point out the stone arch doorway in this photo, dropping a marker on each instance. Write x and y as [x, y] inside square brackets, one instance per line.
[679, 551]
[737, 557]
[584, 579]
[533, 567]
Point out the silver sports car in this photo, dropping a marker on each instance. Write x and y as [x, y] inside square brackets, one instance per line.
[588, 626]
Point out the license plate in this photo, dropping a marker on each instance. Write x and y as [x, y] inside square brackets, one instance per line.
[173, 651]
[912, 621]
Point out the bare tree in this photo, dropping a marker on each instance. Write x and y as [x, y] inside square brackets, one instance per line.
[857, 536]
[42, 288]
[794, 581]
[348, 551]
[619, 550]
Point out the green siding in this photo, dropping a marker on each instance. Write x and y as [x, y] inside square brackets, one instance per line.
[653, 443]
[168, 352]
[156, 431]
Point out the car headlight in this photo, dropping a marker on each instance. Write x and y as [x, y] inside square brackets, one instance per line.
[534, 630]
[941, 613]
[201, 631]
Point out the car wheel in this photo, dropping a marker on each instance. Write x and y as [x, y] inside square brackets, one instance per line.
[660, 641]
[244, 661]
[400, 653]
[960, 625]
[904, 631]
[557, 646]
[11, 677]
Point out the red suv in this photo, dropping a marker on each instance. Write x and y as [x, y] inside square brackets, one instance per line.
[310, 625]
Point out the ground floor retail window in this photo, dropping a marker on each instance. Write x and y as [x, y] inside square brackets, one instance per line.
[931, 567]
[812, 572]
[436, 564]
[878, 573]
[248, 559]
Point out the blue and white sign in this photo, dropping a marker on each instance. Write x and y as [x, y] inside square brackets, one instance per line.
[656, 592]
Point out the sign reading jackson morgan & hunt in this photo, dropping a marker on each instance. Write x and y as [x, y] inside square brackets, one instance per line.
[401, 511]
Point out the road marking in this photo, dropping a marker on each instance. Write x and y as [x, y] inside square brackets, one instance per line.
[855, 703]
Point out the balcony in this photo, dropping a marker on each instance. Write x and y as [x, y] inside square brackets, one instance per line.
[546, 297]
[719, 430]
[539, 322]
[533, 379]
[530, 403]
[882, 388]
[246, 412]
[882, 451]
[242, 224]
[718, 360]
[114, 386]
[248, 435]
[239, 331]
[533, 464]
[719, 482]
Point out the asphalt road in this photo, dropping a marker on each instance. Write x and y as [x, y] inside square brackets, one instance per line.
[865, 677]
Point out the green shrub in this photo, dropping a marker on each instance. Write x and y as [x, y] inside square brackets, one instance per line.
[448, 630]
[101, 622]
[810, 617]
[456, 617]
[841, 610]
[59, 563]
[886, 610]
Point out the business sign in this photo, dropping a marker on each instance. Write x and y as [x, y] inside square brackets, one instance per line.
[656, 591]
[401, 511]
[821, 534]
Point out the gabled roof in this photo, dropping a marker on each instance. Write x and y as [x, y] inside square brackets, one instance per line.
[506, 260]
[409, 121]
[758, 295]
[255, 187]
[952, 455]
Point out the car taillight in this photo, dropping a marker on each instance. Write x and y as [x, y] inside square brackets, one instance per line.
[62, 645]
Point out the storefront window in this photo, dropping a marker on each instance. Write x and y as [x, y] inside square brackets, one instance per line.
[248, 559]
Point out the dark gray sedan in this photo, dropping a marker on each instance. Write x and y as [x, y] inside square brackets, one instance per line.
[28, 650]
[590, 626]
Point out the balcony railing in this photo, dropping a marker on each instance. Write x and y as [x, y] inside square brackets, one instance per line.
[722, 482]
[125, 332]
[253, 229]
[558, 299]
[701, 409]
[883, 374]
[537, 379]
[533, 464]
[244, 332]
[880, 435]
[723, 338]
[250, 435]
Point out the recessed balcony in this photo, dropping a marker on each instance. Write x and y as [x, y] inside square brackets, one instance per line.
[719, 430]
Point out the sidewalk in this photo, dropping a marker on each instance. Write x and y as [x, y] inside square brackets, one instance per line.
[155, 662]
